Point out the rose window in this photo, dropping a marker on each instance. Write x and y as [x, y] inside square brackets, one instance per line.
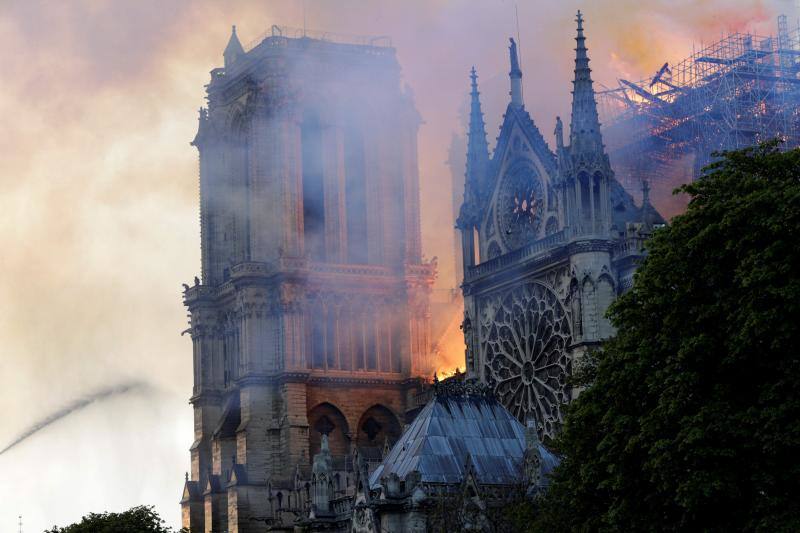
[524, 335]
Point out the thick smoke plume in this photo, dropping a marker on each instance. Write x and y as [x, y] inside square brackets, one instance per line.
[77, 405]
[115, 227]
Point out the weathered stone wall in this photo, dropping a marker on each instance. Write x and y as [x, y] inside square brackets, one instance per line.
[255, 320]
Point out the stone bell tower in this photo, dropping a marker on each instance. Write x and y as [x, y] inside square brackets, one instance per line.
[311, 320]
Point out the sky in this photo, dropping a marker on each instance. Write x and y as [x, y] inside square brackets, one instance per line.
[99, 190]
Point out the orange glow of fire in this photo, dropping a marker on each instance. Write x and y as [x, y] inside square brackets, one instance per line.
[450, 351]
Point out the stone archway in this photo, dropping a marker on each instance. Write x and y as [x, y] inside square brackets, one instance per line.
[327, 419]
[377, 427]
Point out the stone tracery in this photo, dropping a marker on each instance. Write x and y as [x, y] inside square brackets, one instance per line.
[525, 333]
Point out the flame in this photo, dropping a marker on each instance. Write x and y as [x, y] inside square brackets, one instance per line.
[449, 353]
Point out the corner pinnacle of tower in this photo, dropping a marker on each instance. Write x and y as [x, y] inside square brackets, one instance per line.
[234, 48]
[477, 148]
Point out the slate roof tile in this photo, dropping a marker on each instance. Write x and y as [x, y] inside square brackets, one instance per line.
[449, 428]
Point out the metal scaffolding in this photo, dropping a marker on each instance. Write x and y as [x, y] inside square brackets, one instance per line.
[733, 93]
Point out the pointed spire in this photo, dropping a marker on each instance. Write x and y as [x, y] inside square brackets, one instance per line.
[320, 479]
[515, 75]
[584, 135]
[234, 49]
[477, 148]
[477, 151]
[386, 447]
[324, 444]
[648, 214]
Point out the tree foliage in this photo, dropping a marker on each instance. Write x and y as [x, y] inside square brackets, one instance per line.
[691, 421]
[142, 519]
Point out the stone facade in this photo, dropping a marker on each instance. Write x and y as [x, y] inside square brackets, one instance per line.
[456, 466]
[310, 322]
[548, 240]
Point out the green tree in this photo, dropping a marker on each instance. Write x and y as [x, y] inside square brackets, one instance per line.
[691, 417]
[140, 519]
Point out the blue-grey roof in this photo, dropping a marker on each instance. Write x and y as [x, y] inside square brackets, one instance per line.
[448, 428]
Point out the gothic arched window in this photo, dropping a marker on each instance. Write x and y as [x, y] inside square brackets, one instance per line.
[355, 195]
[313, 188]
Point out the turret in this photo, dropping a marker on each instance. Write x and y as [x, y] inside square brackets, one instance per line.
[515, 75]
[584, 166]
[648, 215]
[321, 481]
[477, 147]
[475, 178]
[234, 49]
[584, 134]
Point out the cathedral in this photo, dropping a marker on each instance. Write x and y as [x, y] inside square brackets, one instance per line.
[311, 315]
[310, 323]
[548, 240]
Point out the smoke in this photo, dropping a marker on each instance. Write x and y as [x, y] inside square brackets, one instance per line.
[76, 405]
[97, 241]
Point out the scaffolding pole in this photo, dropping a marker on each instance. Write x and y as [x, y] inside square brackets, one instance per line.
[733, 93]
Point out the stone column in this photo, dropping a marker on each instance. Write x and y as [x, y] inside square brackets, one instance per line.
[252, 446]
[205, 398]
[578, 206]
[413, 251]
[211, 219]
[292, 173]
[592, 201]
[252, 307]
[207, 411]
[294, 429]
[467, 249]
[292, 330]
[373, 153]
